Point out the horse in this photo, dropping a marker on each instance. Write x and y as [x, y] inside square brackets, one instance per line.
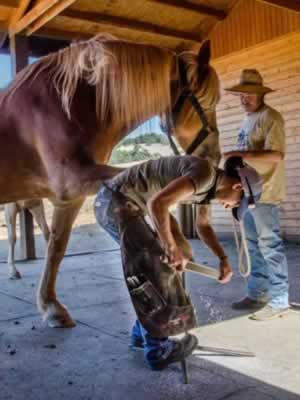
[62, 116]
[36, 208]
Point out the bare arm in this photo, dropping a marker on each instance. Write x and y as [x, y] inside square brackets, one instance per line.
[208, 236]
[257, 155]
[180, 239]
[158, 207]
[206, 232]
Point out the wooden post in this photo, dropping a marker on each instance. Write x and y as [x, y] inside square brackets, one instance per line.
[19, 60]
[186, 219]
[27, 244]
[19, 53]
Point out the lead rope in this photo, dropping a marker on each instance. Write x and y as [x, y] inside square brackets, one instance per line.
[242, 249]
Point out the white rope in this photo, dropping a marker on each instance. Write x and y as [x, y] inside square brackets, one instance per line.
[242, 249]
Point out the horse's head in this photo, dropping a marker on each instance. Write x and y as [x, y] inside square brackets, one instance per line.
[194, 104]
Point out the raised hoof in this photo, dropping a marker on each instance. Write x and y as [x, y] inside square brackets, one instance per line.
[15, 275]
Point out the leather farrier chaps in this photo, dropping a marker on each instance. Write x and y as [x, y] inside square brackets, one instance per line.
[156, 290]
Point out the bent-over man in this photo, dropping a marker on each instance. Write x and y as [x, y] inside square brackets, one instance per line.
[153, 259]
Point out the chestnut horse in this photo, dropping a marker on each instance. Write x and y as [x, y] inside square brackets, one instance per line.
[62, 116]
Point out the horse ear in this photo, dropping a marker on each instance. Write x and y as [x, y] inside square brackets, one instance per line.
[204, 54]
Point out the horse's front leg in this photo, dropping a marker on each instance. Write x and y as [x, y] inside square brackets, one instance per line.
[52, 311]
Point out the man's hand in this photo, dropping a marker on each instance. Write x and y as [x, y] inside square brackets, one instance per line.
[175, 258]
[225, 271]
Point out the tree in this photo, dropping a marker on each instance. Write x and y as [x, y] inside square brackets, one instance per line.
[138, 153]
[147, 138]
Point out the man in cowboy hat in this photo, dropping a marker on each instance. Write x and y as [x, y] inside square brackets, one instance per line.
[261, 144]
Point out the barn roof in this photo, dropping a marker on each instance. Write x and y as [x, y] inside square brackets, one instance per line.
[169, 23]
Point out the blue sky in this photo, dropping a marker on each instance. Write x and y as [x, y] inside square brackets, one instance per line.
[5, 77]
[5, 70]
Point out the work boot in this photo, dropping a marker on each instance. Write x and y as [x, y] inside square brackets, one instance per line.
[268, 312]
[171, 351]
[136, 343]
[248, 304]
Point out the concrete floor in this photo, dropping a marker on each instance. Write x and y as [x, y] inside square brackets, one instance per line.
[92, 361]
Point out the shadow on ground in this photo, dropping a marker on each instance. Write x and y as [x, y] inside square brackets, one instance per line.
[92, 361]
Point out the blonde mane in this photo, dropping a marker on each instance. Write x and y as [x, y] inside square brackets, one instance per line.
[119, 70]
[131, 80]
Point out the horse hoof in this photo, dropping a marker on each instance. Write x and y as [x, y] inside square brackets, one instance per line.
[15, 275]
[57, 316]
[61, 322]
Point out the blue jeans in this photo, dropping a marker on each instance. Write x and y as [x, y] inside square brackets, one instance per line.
[153, 347]
[104, 214]
[268, 280]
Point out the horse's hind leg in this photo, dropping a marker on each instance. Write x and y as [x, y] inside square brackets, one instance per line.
[38, 213]
[53, 312]
[11, 210]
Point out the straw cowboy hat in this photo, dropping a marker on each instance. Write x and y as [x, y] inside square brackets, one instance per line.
[251, 81]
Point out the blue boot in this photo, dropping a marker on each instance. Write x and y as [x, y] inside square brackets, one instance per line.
[137, 339]
[159, 353]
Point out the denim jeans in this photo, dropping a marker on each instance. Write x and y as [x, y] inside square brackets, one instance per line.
[153, 347]
[268, 280]
[104, 213]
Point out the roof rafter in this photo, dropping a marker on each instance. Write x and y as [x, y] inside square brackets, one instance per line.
[17, 14]
[146, 27]
[20, 11]
[293, 5]
[31, 16]
[52, 13]
[199, 8]
[10, 3]
[46, 32]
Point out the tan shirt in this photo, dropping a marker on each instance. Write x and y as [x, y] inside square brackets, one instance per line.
[142, 181]
[264, 130]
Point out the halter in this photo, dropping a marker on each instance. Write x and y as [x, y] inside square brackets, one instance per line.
[169, 126]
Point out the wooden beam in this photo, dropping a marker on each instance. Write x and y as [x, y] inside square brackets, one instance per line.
[293, 5]
[198, 8]
[66, 35]
[31, 16]
[130, 24]
[232, 6]
[19, 60]
[17, 14]
[27, 241]
[52, 13]
[20, 11]
[9, 3]
[3, 26]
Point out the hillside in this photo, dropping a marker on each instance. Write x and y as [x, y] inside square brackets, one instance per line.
[143, 147]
